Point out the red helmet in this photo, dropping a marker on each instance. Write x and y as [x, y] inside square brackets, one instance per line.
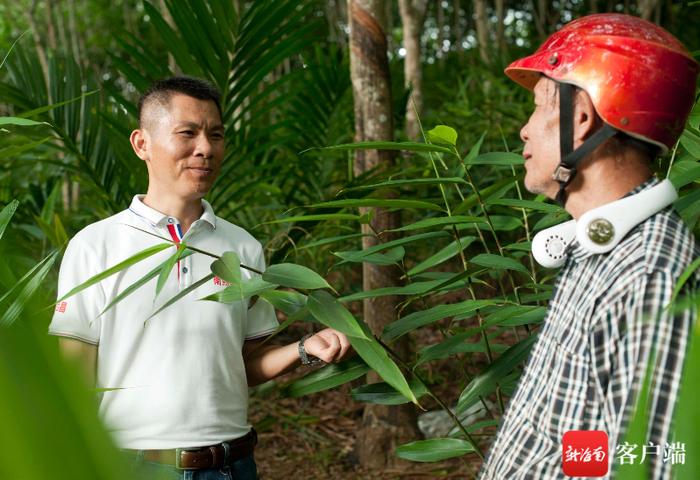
[640, 78]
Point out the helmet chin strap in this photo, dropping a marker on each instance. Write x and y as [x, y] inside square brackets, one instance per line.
[567, 169]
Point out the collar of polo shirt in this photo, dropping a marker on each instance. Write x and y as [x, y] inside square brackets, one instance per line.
[159, 219]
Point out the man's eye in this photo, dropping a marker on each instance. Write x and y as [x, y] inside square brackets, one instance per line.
[186, 132]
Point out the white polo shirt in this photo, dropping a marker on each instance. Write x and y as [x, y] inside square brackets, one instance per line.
[181, 376]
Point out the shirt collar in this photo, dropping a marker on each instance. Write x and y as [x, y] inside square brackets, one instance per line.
[576, 252]
[160, 219]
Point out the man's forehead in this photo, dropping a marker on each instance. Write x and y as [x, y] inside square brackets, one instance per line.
[180, 108]
[544, 88]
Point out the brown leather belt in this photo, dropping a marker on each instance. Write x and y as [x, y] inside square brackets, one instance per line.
[213, 456]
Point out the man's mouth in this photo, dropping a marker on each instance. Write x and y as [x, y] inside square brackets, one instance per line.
[201, 171]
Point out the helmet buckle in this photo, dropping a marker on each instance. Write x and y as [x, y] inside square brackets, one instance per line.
[563, 174]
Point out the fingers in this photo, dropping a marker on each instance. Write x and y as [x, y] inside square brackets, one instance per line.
[330, 345]
[344, 347]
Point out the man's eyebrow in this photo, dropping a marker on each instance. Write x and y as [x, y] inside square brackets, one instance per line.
[185, 123]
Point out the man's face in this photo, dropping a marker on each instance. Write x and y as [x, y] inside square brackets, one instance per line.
[183, 147]
[541, 137]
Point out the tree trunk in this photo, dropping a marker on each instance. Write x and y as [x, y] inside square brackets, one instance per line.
[78, 55]
[412, 18]
[482, 29]
[458, 31]
[172, 65]
[41, 52]
[383, 428]
[500, 27]
[440, 22]
[646, 9]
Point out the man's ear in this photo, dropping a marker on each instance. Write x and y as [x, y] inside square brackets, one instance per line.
[586, 120]
[139, 142]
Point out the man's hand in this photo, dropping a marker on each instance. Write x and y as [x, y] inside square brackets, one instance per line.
[329, 345]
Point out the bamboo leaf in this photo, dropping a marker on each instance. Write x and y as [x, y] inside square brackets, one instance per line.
[228, 268]
[441, 222]
[315, 218]
[6, 215]
[686, 415]
[414, 288]
[486, 381]
[443, 255]
[442, 134]
[496, 158]
[411, 182]
[403, 241]
[378, 359]
[294, 276]
[496, 261]
[242, 291]
[23, 122]
[142, 255]
[132, 288]
[327, 377]
[682, 280]
[399, 146]
[16, 150]
[288, 302]
[391, 257]
[456, 344]
[167, 267]
[378, 202]
[331, 313]
[181, 294]
[37, 111]
[515, 315]
[23, 291]
[527, 204]
[434, 449]
[425, 317]
[384, 394]
[326, 241]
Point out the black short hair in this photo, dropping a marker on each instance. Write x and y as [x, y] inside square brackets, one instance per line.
[162, 90]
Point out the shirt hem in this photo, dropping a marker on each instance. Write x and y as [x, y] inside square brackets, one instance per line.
[74, 336]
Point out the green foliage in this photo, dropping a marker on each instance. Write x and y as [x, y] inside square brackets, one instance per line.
[46, 407]
[434, 449]
[463, 248]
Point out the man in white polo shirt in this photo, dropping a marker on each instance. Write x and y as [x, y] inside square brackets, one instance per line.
[180, 378]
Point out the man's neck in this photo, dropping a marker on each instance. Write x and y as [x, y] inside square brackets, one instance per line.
[604, 180]
[186, 211]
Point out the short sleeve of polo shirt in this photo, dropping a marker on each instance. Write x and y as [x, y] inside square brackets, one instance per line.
[77, 316]
[261, 319]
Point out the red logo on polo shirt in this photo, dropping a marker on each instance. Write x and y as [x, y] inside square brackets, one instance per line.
[61, 307]
[585, 453]
[221, 283]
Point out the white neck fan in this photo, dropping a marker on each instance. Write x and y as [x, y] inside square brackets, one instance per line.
[599, 230]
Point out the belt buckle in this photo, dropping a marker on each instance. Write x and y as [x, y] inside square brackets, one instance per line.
[178, 453]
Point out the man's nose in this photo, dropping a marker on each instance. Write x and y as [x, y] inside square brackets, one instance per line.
[203, 147]
[523, 133]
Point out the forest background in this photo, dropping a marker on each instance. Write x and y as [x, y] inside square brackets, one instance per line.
[425, 241]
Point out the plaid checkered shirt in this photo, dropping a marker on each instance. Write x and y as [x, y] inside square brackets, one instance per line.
[606, 316]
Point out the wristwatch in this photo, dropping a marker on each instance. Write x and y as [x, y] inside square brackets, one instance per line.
[305, 360]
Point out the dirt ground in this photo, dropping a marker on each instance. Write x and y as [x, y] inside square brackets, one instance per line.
[314, 437]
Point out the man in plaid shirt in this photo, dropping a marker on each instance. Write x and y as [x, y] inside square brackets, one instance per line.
[612, 92]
